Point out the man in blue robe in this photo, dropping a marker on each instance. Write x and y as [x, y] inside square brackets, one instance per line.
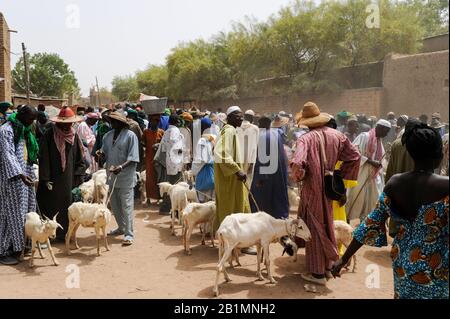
[270, 179]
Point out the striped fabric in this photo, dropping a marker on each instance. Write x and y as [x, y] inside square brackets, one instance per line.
[315, 209]
[16, 199]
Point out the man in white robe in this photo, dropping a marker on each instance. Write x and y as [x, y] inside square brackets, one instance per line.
[172, 144]
[248, 136]
[362, 199]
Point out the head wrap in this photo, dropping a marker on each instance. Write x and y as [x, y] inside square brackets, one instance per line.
[205, 123]
[404, 117]
[92, 115]
[384, 123]
[167, 112]
[232, 109]
[344, 114]
[422, 141]
[250, 112]
[187, 116]
[22, 132]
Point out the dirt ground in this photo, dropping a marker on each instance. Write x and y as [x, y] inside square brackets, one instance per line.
[157, 267]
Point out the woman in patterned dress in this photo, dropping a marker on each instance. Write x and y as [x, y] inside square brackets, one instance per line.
[418, 202]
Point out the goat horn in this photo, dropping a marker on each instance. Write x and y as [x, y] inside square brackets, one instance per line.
[46, 218]
[54, 217]
[284, 251]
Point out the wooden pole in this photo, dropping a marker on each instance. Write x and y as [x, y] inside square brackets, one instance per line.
[98, 93]
[27, 73]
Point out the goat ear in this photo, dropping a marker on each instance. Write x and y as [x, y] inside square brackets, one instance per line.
[60, 226]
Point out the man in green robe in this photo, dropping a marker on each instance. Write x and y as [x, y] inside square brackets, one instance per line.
[229, 178]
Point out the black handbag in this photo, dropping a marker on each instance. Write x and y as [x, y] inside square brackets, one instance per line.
[333, 181]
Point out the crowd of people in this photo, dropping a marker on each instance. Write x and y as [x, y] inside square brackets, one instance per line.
[347, 167]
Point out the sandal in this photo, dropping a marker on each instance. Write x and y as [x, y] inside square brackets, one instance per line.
[311, 278]
[116, 232]
[127, 242]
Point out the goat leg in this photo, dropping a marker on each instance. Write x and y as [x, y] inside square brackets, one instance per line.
[267, 258]
[51, 253]
[188, 239]
[75, 236]
[172, 212]
[97, 236]
[33, 251]
[40, 250]
[105, 238]
[211, 234]
[258, 259]
[204, 236]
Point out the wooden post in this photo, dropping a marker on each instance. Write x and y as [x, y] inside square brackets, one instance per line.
[27, 73]
[98, 93]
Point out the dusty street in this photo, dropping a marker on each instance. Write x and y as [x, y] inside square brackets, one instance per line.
[157, 267]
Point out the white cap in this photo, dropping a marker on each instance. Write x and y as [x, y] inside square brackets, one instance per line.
[384, 123]
[250, 112]
[232, 109]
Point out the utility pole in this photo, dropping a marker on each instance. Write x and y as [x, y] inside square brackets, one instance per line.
[27, 73]
[98, 93]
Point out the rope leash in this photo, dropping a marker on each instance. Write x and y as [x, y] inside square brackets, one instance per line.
[253, 197]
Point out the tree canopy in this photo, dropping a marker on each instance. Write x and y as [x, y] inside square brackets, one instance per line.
[49, 76]
[294, 49]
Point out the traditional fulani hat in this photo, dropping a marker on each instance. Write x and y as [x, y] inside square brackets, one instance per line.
[311, 116]
[118, 117]
[66, 115]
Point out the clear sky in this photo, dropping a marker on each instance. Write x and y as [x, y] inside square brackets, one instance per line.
[118, 37]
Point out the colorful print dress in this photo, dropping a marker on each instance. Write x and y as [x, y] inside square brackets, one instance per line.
[419, 251]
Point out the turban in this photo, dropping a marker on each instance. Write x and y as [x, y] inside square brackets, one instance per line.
[232, 109]
[384, 123]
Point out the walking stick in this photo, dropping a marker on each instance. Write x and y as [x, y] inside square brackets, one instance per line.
[366, 181]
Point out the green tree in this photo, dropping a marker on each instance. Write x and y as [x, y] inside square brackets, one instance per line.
[49, 76]
[433, 15]
[300, 48]
[153, 80]
[199, 70]
[125, 88]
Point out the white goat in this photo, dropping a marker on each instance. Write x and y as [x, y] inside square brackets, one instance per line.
[101, 187]
[188, 177]
[195, 214]
[294, 198]
[343, 233]
[180, 195]
[87, 190]
[344, 236]
[164, 188]
[246, 230]
[95, 216]
[40, 231]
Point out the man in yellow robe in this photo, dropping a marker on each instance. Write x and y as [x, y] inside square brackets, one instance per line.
[229, 179]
